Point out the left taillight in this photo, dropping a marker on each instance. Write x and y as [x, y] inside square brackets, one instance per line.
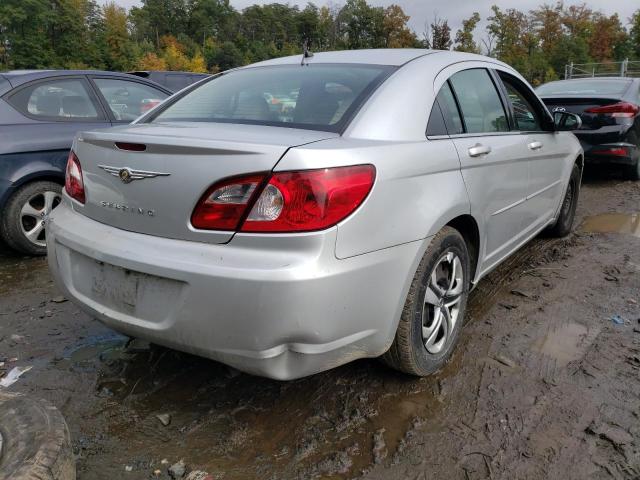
[617, 110]
[73, 182]
[225, 203]
[284, 202]
[308, 200]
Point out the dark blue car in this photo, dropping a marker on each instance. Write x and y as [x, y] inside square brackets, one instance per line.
[40, 112]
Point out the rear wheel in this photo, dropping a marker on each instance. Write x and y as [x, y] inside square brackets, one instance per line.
[567, 214]
[433, 313]
[24, 217]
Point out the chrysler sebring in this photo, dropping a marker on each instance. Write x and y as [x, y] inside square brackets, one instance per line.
[349, 220]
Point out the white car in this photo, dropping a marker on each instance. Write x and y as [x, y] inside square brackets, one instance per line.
[352, 227]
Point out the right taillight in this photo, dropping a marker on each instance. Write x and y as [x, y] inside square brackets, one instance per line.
[618, 110]
[284, 202]
[73, 182]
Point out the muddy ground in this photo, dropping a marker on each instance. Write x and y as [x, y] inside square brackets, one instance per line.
[544, 384]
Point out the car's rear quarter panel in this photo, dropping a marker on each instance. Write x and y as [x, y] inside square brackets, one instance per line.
[418, 189]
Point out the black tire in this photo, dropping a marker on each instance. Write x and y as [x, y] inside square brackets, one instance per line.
[35, 441]
[564, 223]
[12, 230]
[409, 353]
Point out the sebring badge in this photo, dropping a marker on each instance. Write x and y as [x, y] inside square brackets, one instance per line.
[128, 209]
[127, 175]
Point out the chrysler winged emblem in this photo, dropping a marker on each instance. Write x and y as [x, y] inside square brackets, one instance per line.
[128, 175]
[559, 109]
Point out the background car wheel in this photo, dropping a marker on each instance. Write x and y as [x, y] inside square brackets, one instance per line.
[434, 310]
[564, 223]
[633, 173]
[24, 216]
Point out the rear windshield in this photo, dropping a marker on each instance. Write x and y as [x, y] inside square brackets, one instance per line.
[587, 86]
[317, 97]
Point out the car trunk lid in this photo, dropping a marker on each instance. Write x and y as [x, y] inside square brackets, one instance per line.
[147, 178]
[579, 106]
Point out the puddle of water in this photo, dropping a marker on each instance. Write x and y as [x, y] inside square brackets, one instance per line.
[567, 343]
[87, 354]
[613, 223]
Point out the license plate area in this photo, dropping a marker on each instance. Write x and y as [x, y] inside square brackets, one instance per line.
[129, 292]
[119, 287]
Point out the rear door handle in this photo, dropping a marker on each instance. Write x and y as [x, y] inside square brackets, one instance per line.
[478, 150]
[535, 145]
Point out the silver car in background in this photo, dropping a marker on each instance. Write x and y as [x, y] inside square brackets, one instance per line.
[352, 223]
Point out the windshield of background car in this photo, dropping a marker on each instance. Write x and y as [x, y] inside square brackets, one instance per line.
[316, 97]
[587, 86]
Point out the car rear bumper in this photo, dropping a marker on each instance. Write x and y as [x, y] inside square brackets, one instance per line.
[609, 145]
[611, 153]
[282, 307]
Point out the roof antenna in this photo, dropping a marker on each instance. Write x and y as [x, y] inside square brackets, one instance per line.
[305, 52]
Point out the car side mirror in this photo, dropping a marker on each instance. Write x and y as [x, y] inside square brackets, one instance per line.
[566, 122]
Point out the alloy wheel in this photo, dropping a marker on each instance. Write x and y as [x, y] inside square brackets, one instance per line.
[442, 300]
[34, 214]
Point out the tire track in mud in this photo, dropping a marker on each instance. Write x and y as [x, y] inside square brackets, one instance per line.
[483, 297]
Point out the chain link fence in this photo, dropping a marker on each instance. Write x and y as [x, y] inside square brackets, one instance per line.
[625, 68]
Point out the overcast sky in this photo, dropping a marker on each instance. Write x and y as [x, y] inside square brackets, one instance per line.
[455, 11]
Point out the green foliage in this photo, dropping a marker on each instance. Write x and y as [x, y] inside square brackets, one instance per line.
[634, 35]
[440, 35]
[540, 43]
[212, 35]
[464, 36]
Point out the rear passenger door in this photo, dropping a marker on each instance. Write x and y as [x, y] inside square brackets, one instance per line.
[55, 109]
[493, 161]
[546, 151]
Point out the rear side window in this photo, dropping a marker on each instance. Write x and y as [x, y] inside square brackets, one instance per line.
[446, 109]
[317, 97]
[128, 100]
[56, 100]
[436, 125]
[479, 102]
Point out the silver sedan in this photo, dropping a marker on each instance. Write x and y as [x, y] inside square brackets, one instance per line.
[349, 220]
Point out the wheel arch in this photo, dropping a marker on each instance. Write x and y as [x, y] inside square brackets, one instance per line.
[468, 228]
[38, 176]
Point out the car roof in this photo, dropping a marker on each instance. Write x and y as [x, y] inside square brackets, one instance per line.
[19, 77]
[137, 72]
[377, 56]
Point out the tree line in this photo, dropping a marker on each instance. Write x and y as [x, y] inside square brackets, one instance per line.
[211, 35]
